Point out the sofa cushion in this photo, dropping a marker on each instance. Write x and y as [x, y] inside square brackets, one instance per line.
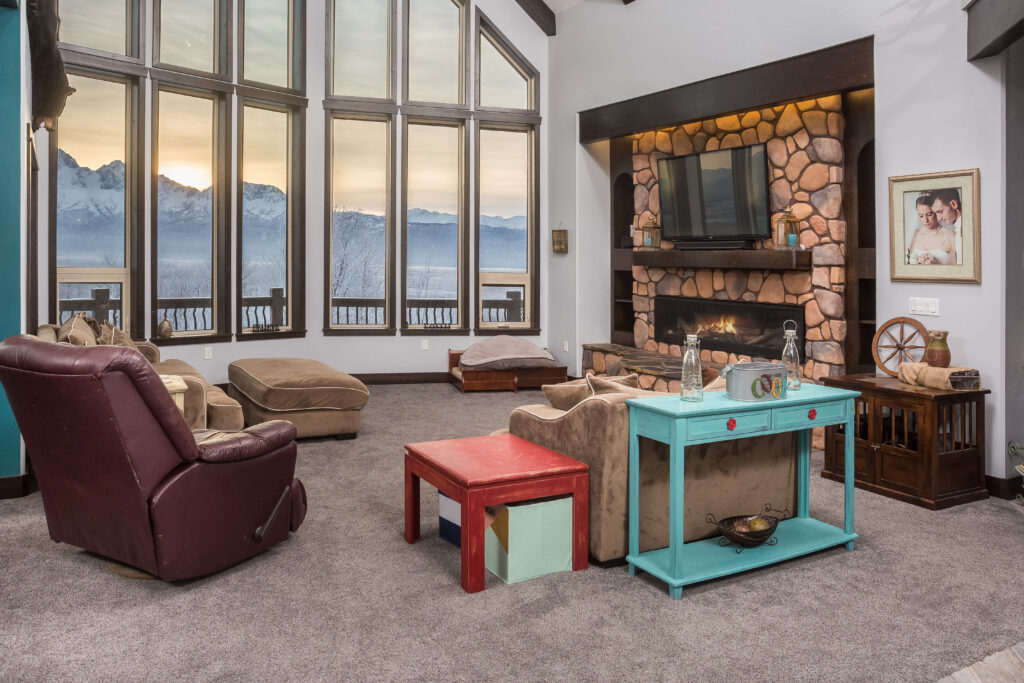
[114, 336]
[296, 384]
[567, 394]
[604, 385]
[77, 331]
[503, 352]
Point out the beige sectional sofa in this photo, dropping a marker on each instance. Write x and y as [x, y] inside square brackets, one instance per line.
[206, 406]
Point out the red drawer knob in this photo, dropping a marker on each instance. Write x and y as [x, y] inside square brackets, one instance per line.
[731, 424]
[812, 414]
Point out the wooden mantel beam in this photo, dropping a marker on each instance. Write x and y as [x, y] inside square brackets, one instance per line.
[992, 26]
[540, 13]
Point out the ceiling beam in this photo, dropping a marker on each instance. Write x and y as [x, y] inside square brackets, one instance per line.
[13, 4]
[992, 26]
[849, 66]
[540, 13]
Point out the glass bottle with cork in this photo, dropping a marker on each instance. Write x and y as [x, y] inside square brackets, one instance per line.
[692, 381]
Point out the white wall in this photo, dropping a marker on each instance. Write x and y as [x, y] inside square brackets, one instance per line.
[934, 111]
[358, 354]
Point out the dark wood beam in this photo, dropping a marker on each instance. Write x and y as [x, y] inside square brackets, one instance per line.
[540, 13]
[849, 66]
[13, 4]
[992, 26]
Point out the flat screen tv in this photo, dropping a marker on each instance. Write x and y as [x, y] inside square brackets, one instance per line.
[715, 200]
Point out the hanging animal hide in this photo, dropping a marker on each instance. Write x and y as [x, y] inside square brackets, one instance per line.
[50, 88]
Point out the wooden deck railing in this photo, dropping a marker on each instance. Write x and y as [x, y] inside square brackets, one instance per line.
[100, 307]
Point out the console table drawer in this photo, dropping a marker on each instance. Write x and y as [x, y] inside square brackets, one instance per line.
[810, 415]
[726, 425]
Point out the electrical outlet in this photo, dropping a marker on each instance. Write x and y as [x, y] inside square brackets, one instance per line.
[920, 306]
[565, 346]
[424, 344]
[207, 353]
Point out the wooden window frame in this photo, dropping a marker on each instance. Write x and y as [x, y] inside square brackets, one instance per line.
[388, 328]
[295, 260]
[464, 60]
[223, 48]
[486, 30]
[221, 244]
[530, 280]
[463, 127]
[132, 276]
[297, 40]
[134, 31]
[335, 100]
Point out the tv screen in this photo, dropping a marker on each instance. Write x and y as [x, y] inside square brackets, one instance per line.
[720, 195]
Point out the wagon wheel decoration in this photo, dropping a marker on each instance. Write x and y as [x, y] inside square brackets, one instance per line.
[900, 340]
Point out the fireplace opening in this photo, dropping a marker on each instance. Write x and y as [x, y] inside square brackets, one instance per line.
[746, 328]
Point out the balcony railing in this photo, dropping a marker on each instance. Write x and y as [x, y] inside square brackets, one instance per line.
[196, 313]
[100, 307]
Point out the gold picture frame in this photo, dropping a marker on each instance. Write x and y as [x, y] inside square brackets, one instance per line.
[935, 227]
[560, 241]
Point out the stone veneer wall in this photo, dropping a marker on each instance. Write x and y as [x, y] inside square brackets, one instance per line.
[804, 144]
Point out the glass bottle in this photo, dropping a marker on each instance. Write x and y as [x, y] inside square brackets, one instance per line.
[791, 359]
[692, 385]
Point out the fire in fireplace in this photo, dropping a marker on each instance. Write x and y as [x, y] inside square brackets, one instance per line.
[746, 328]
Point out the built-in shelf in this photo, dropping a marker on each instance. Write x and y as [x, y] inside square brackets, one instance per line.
[744, 259]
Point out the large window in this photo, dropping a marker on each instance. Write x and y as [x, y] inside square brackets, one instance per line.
[268, 215]
[94, 189]
[504, 254]
[192, 35]
[223, 187]
[459, 268]
[105, 25]
[435, 51]
[359, 234]
[272, 42]
[360, 63]
[433, 219]
[189, 209]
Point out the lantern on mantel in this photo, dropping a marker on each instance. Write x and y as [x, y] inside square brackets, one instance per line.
[650, 235]
[787, 230]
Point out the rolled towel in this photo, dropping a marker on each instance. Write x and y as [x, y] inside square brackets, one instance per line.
[952, 378]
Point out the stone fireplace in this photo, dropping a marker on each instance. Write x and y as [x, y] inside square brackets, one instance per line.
[804, 145]
[744, 328]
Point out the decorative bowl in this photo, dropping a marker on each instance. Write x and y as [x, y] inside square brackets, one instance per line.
[749, 531]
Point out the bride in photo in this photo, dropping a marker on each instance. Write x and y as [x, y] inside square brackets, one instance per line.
[933, 243]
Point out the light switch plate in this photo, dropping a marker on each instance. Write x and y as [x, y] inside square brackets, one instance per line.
[922, 306]
[424, 345]
[207, 353]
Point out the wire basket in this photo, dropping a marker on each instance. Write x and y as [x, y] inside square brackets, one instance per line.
[749, 531]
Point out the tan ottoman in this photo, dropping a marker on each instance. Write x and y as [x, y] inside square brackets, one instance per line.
[316, 398]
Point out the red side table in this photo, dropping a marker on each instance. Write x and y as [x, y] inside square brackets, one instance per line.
[490, 470]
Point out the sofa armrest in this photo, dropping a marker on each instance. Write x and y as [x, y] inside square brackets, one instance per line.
[150, 350]
[216, 446]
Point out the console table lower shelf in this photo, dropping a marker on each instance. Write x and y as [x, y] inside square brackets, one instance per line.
[706, 559]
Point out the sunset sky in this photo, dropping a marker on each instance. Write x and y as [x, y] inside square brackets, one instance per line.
[93, 130]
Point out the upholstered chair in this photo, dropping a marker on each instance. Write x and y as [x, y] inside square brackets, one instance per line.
[122, 475]
[726, 478]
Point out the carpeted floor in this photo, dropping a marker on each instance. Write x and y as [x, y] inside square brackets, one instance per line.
[924, 595]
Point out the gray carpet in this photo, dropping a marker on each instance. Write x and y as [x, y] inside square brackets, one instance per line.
[925, 593]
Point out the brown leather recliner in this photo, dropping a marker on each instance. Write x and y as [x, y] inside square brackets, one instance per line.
[122, 475]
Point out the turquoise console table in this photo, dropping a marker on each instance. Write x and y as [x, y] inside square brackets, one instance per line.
[718, 418]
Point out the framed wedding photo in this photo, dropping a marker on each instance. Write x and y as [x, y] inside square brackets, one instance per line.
[935, 227]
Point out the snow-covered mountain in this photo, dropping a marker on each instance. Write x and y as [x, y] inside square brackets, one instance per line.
[90, 233]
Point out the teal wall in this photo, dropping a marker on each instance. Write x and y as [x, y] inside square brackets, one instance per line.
[11, 168]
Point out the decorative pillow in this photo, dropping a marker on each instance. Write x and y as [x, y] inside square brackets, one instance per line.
[115, 336]
[567, 394]
[504, 352]
[604, 385]
[77, 331]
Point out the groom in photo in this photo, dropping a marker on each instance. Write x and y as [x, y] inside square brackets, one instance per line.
[946, 205]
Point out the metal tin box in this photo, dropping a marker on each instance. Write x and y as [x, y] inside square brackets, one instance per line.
[757, 381]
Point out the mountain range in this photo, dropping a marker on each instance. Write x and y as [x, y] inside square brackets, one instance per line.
[90, 226]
